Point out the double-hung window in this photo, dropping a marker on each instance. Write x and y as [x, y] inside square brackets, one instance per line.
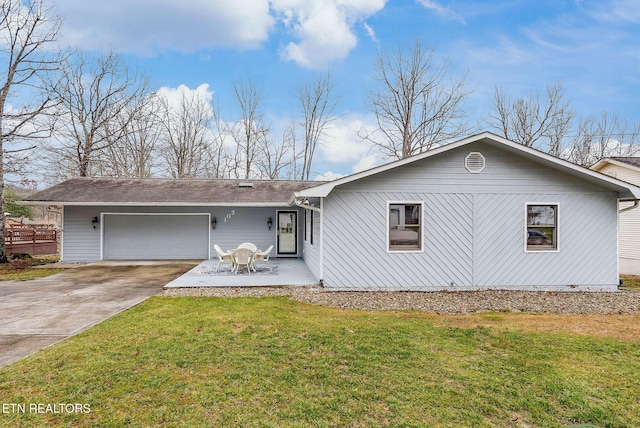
[542, 227]
[404, 220]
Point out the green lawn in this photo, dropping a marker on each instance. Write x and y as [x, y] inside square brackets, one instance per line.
[274, 362]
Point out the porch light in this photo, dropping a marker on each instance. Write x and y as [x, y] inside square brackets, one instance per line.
[269, 223]
[213, 223]
[94, 222]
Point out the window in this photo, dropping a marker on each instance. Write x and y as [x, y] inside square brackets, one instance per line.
[542, 227]
[405, 226]
[311, 229]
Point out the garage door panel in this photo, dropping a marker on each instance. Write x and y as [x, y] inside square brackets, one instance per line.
[154, 237]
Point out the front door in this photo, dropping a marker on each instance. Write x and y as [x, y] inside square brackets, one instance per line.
[288, 232]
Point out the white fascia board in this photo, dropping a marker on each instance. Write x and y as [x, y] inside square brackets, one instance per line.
[601, 164]
[626, 190]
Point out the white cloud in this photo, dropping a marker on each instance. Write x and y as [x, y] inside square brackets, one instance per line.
[343, 150]
[441, 10]
[370, 32]
[341, 144]
[367, 162]
[328, 176]
[324, 28]
[148, 26]
[616, 11]
[174, 96]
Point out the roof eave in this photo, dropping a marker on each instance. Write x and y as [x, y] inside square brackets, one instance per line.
[158, 204]
[625, 190]
[600, 164]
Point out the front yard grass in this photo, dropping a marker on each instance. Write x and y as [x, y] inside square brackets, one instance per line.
[275, 362]
[21, 268]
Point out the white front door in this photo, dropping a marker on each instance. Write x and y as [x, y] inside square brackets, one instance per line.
[288, 232]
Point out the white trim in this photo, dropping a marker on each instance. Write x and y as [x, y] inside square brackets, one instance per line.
[526, 227]
[321, 249]
[632, 192]
[160, 204]
[62, 236]
[103, 214]
[600, 164]
[297, 237]
[422, 226]
[618, 244]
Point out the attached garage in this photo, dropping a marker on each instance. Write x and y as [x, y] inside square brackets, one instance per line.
[165, 219]
[155, 236]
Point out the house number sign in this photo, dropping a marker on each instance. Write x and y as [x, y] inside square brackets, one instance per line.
[229, 215]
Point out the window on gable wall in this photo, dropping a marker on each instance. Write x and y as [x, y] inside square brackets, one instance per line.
[405, 226]
[542, 227]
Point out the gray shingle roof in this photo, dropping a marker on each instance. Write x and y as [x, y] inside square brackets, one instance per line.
[153, 191]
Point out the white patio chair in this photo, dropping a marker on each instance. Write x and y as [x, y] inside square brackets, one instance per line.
[242, 257]
[223, 257]
[262, 256]
[249, 246]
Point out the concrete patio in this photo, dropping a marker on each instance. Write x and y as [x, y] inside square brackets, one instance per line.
[279, 272]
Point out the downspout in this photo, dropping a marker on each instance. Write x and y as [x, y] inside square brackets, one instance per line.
[321, 256]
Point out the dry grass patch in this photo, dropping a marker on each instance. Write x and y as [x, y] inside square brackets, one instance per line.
[27, 267]
[619, 327]
[631, 282]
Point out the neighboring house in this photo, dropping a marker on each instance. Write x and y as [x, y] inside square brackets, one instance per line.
[483, 212]
[626, 169]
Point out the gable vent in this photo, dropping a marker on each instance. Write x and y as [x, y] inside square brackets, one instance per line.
[474, 162]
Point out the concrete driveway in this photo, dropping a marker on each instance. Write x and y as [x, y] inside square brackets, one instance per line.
[40, 312]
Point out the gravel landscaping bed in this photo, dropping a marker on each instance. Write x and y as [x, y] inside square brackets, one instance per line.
[450, 302]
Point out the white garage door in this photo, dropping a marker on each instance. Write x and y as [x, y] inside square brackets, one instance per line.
[155, 237]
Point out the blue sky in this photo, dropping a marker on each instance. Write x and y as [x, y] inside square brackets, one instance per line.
[591, 46]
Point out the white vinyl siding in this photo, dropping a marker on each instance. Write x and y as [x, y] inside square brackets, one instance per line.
[234, 225]
[629, 232]
[473, 225]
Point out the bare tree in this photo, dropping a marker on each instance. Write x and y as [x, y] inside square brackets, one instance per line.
[134, 154]
[186, 135]
[99, 98]
[27, 30]
[219, 163]
[597, 137]
[250, 131]
[532, 121]
[317, 102]
[415, 103]
[276, 159]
